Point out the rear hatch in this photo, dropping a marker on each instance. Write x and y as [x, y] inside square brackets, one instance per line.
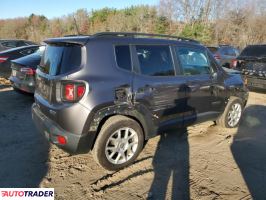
[252, 61]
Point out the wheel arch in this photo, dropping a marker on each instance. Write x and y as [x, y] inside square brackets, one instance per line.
[143, 118]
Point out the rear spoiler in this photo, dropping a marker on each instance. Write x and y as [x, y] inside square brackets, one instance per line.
[80, 40]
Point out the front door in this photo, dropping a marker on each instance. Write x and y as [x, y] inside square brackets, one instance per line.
[204, 87]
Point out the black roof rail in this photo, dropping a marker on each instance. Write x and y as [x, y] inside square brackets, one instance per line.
[133, 34]
[75, 35]
[225, 45]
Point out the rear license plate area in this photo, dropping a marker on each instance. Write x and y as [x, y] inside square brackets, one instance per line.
[43, 87]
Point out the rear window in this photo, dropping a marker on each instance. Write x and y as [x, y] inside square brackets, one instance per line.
[254, 51]
[229, 51]
[11, 44]
[29, 51]
[213, 49]
[60, 59]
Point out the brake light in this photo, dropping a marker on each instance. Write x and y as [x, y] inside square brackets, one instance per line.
[234, 63]
[69, 92]
[61, 140]
[217, 56]
[3, 59]
[28, 71]
[73, 91]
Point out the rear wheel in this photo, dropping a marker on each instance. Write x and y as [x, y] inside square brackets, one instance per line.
[232, 113]
[118, 143]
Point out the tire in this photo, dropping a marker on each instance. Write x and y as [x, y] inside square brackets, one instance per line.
[108, 146]
[225, 120]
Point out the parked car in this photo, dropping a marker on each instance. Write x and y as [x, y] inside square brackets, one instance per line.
[12, 43]
[252, 63]
[111, 92]
[23, 71]
[225, 55]
[11, 54]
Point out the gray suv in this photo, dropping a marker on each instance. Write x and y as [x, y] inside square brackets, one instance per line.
[111, 92]
[225, 55]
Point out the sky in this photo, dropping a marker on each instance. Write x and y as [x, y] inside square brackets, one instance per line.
[57, 8]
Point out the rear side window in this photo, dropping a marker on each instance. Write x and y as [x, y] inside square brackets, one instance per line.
[60, 59]
[193, 61]
[155, 60]
[123, 58]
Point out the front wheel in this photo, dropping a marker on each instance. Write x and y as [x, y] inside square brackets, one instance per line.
[119, 143]
[232, 113]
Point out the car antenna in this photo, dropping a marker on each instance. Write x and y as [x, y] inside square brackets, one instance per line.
[76, 25]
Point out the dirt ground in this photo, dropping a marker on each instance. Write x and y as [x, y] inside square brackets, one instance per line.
[202, 162]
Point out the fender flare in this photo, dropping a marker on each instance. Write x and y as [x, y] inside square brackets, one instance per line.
[137, 112]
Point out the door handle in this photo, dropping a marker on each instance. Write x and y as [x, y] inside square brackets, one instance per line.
[146, 88]
[206, 87]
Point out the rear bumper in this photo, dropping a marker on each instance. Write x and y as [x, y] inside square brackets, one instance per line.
[24, 85]
[75, 143]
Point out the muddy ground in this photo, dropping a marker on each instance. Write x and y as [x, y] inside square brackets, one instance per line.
[201, 162]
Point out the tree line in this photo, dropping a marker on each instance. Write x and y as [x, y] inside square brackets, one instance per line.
[212, 22]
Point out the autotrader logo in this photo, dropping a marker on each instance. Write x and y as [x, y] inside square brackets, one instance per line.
[27, 193]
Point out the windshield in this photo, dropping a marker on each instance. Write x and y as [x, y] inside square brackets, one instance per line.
[60, 59]
[254, 51]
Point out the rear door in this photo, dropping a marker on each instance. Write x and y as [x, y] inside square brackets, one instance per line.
[158, 86]
[204, 84]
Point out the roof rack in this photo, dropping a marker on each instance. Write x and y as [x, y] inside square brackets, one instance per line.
[132, 34]
[224, 45]
[75, 35]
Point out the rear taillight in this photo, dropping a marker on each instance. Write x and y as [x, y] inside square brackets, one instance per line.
[217, 56]
[234, 63]
[80, 90]
[3, 59]
[73, 92]
[28, 71]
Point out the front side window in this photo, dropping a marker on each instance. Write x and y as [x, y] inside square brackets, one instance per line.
[155, 60]
[193, 61]
[123, 58]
